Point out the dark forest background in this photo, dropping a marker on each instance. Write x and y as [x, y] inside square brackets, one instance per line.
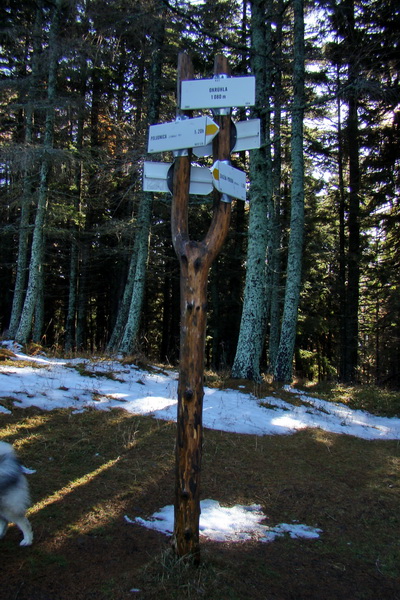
[86, 258]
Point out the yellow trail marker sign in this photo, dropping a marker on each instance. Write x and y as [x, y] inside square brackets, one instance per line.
[228, 180]
[181, 134]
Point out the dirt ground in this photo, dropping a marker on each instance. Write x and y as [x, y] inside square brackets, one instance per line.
[93, 468]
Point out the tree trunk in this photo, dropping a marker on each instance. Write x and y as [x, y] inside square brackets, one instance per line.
[23, 233]
[275, 226]
[171, 309]
[284, 359]
[252, 328]
[70, 322]
[114, 343]
[140, 254]
[38, 319]
[342, 246]
[349, 373]
[195, 259]
[22, 259]
[83, 316]
[353, 261]
[124, 336]
[37, 250]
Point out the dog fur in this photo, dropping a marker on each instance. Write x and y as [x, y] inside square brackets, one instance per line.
[14, 494]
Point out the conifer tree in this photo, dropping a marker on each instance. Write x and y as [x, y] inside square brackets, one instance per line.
[23, 229]
[284, 359]
[36, 261]
[252, 328]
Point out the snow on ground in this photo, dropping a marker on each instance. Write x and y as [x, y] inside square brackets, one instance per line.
[58, 384]
[234, 524]
[64, 384]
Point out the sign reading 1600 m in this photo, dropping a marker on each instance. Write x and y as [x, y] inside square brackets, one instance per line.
[218, 92]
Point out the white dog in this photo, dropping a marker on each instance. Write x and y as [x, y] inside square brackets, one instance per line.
[14, 494]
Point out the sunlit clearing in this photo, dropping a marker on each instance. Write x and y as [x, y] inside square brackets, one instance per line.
[394, 468]
[321, 436]
[60, 494]
[31, 423]
[95, 518]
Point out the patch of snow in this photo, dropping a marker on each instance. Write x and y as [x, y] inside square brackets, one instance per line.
[57, 385]
[237, 523]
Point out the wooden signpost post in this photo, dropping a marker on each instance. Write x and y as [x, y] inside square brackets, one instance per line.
[195, 259]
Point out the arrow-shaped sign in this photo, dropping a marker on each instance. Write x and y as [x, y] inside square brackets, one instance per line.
[218, 92]
[187, 133]
[247, 135]
[155, 178]
[228, 180]
[247, 138]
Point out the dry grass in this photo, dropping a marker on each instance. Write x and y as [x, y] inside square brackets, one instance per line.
[94, 467]
[379, 401]
[6, 354]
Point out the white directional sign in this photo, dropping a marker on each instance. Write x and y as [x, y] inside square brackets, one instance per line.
[228, 180]
[176, 135]
[218, 92]
[248, 135]
[155, 178]
[247, 138]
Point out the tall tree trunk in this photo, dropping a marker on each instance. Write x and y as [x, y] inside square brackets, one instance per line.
[22, 258]
[123, 310]
[129, 320]
[83, 315]
[82, 296]
[353, 260]
[72, 298]
[38, 318]
[140, 252]
[70, 322]
[349, 363]
[37, 252]
[252, 327]
[284, 359]
[275, 226]
[24, 227]
[342, 245]
[171, 310]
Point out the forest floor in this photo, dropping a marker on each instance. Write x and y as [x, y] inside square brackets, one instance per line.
[93, 468]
